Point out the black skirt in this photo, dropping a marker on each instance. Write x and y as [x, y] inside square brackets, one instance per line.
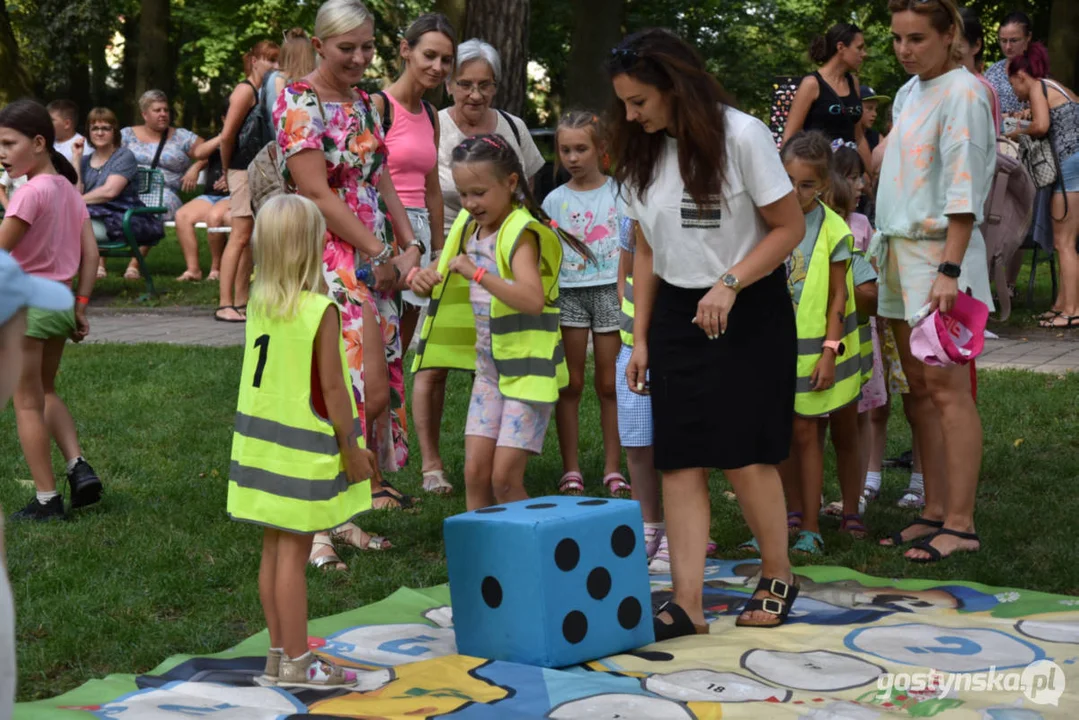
[729, 402]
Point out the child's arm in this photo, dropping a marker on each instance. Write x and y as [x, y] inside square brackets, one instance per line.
[824, 374]
[865, 298]
[525, 293]
[359, 463]
[11, 231]
[87, 277]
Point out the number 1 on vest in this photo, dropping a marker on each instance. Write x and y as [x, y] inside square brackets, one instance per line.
[262, 342]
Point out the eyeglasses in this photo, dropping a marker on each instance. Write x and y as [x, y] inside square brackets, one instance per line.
[485, 88]
[624, 58]
[101, 128]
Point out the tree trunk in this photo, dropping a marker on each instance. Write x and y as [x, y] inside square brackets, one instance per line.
[152, 70]
[504, 24]
[14, 81]
[128, 114]
[597, 27]
[454, 10]
[99, 70]
[1063, 40]
[78, 90]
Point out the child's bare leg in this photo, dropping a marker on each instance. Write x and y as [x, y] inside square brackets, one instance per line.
[268, 585]
[605, 350]
[479, 465]
[290, 591]
[811, 469]
[508, 475]
[29, 404]
[57, 416]
[644, 481]
[845, 437]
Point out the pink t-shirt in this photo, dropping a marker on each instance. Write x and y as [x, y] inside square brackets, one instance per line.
[411, 153]
[55, 212]
[861, 229]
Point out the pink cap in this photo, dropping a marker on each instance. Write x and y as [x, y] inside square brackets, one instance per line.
[953, 338]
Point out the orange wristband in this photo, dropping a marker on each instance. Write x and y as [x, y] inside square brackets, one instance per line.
[82, 300]
[480, 272]
[411, 274]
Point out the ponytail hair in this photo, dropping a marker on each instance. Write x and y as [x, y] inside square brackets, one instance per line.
[30, 118]
[1034, 62]
[824, 47]
[840, 195]
[578, 120]
[493, 148]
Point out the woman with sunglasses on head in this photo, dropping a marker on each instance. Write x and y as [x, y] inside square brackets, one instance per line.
[829, 99]
[473, 86]
[934, 182]
[714, 332]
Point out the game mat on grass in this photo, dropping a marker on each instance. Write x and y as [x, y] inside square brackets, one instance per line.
[853, 648]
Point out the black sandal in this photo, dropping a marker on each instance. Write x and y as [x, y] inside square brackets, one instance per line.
[228, 320]
[934, 554]
[404, 502]
[679, 626]
[897, 537]
[779, 605]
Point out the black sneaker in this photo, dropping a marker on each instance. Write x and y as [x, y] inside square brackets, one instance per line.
[52, 510]
[904, 460]
[85, 484]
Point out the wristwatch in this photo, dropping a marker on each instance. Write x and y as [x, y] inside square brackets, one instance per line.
[732, 282]
[949, 269]
[835, 346]
[419, 244]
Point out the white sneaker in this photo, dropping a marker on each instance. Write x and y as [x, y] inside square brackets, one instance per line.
[912, 500]
[661, 561]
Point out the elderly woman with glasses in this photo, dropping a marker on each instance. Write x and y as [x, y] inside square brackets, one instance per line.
[473, 85]
[1016, 33]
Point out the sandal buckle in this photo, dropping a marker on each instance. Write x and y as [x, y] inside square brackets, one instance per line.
[779, 588]
[768, 604]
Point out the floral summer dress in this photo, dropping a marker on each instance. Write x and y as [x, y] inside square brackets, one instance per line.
[349, 135]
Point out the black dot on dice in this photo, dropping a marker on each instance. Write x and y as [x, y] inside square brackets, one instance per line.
[486, 511]
[623, 540]
[599, 583]
[491, 590]
[567, 554]
[540, 506]
[588, 503]
[575, 627]
[629, 613]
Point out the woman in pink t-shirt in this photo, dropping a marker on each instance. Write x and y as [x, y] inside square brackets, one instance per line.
[47, 231]
[411, 128]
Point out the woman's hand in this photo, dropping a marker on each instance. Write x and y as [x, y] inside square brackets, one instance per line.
[463, 265]
[191, 179]
[424, 282]
[77, 148]
[385, 276]
[713, 309]
[823, 376]
[942, 294]
[406, 261]
[637, 370]
[221, 185]
[82, 325]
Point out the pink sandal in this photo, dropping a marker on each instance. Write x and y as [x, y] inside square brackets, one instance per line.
[572, 483]
[616, 485]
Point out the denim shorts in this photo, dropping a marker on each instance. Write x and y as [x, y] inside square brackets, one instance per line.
[1069, 174]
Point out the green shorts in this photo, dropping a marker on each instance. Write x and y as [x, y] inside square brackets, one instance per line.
[47, 324]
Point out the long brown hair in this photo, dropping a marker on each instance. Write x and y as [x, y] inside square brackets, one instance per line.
[493, 148]
[663, 60]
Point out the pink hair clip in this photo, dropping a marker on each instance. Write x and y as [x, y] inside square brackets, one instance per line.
[491, 141]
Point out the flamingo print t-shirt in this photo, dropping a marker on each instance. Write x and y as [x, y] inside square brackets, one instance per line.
[592, 216]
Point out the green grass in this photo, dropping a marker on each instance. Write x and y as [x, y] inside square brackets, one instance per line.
[157, 568]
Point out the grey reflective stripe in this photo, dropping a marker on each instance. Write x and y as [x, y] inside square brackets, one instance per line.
[421, 347]
[628, 291]
[287, 436]
[848, 368]
[283, 486]
[625, 323]
[812, 346]
[866, 336]
[432, 307]
[538, 367]
[506, 324]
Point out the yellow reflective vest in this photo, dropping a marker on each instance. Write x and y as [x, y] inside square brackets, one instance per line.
[286, 470]
[527, 349]
[813, 325]
[625, 322]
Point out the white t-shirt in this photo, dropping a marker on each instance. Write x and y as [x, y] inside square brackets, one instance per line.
[693, 246]
[64, 148]
[450, 136]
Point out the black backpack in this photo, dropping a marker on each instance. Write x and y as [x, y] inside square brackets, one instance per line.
[254, 134]
[387, 115]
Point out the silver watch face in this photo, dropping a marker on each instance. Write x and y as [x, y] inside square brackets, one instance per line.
[730, 281]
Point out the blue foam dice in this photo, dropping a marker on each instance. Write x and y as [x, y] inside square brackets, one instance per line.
[550, 581]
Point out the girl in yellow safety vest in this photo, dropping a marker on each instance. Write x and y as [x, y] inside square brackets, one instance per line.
[829, 375]
[299, 466]
[493, 310]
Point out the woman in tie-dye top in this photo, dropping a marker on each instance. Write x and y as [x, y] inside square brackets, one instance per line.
[935, 179]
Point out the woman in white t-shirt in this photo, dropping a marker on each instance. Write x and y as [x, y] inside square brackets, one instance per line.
[713, 324]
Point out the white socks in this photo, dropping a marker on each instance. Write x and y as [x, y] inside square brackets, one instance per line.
[917, 484]
[45, 497]
[73, 462]
[655, 526]
[872, 481]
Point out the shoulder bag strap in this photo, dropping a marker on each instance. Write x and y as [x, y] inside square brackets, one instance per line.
[160, 147]
[387, 120]
[513, 126]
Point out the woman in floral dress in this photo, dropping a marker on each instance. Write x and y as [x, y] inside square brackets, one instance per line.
[331, 142]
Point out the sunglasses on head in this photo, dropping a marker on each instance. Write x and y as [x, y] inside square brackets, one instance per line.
[624, 58]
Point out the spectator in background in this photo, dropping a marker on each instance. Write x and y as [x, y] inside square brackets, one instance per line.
[296, 60]
[971, 46]
[870, 107]
[108, 181]
[212, 208]
[1016, 32]
[65, 118]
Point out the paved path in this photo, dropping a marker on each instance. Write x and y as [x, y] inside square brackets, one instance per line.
[196, 326]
